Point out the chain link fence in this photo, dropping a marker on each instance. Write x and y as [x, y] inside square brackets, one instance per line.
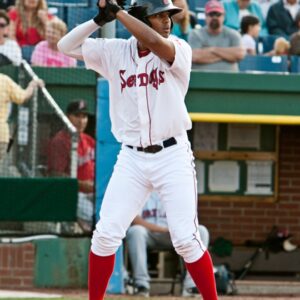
[26, 130]
[32, 126]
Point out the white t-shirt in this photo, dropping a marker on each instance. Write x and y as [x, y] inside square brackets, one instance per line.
[146, 93]
[12, 51]
[293, 9]
[243, 13]
[248, 42]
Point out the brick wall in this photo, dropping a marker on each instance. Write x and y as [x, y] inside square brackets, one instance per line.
[16, 265]
[239, 222]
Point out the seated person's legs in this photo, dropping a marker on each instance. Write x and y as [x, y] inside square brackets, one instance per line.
[137, 240]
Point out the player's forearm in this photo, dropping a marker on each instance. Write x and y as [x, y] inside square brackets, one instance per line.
[230, 54]
[204, 56]
[70, 44]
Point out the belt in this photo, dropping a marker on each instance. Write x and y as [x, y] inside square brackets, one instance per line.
[156, 148]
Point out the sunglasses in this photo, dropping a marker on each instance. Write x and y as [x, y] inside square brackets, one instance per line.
[2, 25]
[214, 14]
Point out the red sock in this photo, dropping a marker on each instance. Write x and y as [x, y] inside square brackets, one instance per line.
[203, 276]
[100, 270]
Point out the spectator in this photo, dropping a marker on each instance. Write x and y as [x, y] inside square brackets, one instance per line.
[265, 5]
[10, 51]
[11, 92]
[150, 231]
[281, 19]
[250, 28]
[7, 4]
[46, 53]
[295, 38]
[181, 21]
[59, 158]
[28, 21]
[215, 47]
[235, 10]
[281, 47]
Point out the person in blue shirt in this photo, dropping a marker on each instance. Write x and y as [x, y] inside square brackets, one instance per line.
[235, 10]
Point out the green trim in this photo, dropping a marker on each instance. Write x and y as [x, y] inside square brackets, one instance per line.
[244, 95]
[61, 262]
[38, 199]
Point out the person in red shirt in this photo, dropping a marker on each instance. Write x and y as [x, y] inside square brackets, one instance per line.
[59, 157]
[28, 21]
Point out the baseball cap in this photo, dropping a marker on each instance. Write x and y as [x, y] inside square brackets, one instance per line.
[214, 6]
[77, 106]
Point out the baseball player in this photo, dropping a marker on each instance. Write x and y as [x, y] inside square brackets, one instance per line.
[148, 76]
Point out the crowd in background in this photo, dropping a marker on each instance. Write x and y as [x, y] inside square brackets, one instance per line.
[262, 27]
[28, 30]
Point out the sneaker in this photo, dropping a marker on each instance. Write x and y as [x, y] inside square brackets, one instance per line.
[141, 291]
[190, 292]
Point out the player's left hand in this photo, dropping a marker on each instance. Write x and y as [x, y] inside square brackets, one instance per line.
[107, 11]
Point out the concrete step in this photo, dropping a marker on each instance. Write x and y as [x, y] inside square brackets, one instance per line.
[268, 287]
[244, 287]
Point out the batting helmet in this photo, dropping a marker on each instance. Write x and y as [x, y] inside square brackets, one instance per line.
[141, 9]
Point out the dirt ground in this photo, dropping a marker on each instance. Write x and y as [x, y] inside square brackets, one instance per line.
[83, 294]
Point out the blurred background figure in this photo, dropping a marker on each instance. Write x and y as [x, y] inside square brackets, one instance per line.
[59, 158]
[281, 47]
[265, 5]
[10, 51]
[215, 47]
[281, 19]
[46, 53]
[181, 20]
[7, 4]
[149, 230]
[28, 21]
[295, 38]
[250, 28]
[235, 10]
[11, 92]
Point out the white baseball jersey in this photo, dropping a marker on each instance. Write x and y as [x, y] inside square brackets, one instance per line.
[146, 93]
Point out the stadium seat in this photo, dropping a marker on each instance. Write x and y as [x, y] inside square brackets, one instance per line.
[264, 63]
[27, 52]
[196, 5]
[295, 64]
[267, 42]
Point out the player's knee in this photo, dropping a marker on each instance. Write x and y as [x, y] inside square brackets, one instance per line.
[104, 244]
[190, 250]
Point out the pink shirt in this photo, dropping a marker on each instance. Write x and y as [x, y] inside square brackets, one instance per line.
[46, 57]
